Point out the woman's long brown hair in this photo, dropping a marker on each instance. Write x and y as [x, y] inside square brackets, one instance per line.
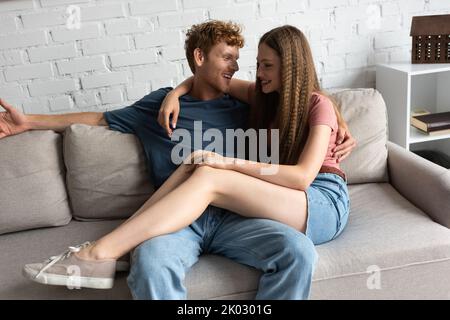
[287, 111]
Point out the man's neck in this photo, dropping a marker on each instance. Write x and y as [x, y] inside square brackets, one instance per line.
[202, 91]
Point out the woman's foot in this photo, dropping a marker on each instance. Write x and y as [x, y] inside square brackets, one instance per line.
[77, 267]
[93, 252]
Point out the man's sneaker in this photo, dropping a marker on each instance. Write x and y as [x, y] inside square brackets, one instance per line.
[69, 270]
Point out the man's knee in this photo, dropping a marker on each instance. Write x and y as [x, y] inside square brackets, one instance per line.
[149, 256]
[299, 249]
[164, 253]
[148, 264]
[157, 269]
[142, 266]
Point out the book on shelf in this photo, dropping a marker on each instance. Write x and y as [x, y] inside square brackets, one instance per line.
[437, 132]
[419, 112]
[430, 123]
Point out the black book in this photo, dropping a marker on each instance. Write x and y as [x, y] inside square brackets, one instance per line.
[432, 122]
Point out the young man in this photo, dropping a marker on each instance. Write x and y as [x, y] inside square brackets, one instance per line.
[159, 265]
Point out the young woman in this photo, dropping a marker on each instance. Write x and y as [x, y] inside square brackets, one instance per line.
[308, 191]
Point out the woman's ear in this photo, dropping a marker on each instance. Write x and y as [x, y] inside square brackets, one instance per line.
[199, 58]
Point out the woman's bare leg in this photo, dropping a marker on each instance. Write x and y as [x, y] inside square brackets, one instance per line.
[180, 175]
[240, 193]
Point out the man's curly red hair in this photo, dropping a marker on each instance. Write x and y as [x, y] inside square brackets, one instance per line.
[207, 34]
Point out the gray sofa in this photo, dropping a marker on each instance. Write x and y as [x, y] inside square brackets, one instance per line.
[58, 190]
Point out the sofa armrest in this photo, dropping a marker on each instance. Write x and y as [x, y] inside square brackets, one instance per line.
[422, 182]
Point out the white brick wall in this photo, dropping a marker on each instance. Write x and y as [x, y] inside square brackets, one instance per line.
[31, 71]
[22, 40]
[16, 5]
[41, 54]
[61, 103]
[134, 58]
[111, 96]
[96, 63]
[8, 23]
[50, 87]
[87, 31]
[125, 48]
[104, 80]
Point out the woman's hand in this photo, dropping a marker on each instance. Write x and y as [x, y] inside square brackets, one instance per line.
[169, 106]
[345, 143]
[215, 160]
[212, 159]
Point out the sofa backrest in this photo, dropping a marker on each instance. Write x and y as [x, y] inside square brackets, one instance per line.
[107, 177]
[106, 170]
[32, 182]
[364, 110]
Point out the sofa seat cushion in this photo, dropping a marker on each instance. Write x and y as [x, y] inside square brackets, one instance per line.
[106, 173]
[385, 233]
[212, 277]
[32, 182]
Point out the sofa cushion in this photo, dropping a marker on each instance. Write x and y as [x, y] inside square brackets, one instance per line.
[364, 111]
[212, 277]
[33, 192]
[106, 173]
[409, 250]
[388, 251]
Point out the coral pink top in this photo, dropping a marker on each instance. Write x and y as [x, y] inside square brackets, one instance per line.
[321, 112]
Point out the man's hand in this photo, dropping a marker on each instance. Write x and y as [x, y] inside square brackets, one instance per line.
[12, 121]
[169, 106]
[345, 143]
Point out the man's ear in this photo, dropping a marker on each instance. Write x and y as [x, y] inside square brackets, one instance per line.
[199, 57]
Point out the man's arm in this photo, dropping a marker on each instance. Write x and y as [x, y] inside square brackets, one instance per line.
[14, 122]
[59, 122]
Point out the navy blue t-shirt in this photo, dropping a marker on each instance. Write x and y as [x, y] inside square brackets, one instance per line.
[141, 119]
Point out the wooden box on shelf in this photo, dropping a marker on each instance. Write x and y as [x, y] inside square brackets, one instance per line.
[430, 39]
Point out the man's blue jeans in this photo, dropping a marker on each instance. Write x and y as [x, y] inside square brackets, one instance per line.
[286, 256]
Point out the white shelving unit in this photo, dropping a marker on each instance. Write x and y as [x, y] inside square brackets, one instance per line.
[407, 87]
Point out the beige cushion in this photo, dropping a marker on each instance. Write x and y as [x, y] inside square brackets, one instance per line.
[32, 191]
[106, 173]
[364, 111]
[396, 238]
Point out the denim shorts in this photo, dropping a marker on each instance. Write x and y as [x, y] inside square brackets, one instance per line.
[328, 207]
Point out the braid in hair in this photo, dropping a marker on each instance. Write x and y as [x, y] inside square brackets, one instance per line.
[303, 107]
[284, 111]
[298, 95]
